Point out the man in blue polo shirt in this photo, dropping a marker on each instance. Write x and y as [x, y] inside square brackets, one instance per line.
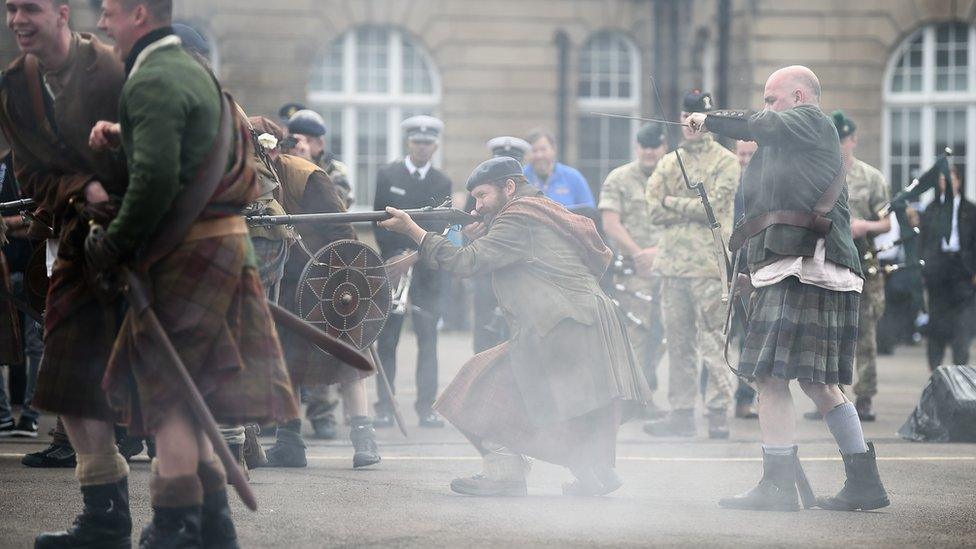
[558, 181]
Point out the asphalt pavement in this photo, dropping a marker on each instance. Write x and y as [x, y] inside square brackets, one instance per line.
[668, 499]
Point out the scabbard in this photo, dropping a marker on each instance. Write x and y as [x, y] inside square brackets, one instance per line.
[339, 349]
[142, 310]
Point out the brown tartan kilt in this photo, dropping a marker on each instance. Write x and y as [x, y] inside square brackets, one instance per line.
[209, 299]
[485, 403]
[801, 331]
[11, 343]
[307, 364]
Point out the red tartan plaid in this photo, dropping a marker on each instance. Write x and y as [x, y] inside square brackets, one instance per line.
[484, 403]
[208, 298]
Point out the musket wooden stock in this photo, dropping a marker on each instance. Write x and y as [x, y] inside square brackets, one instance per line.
[343, 351]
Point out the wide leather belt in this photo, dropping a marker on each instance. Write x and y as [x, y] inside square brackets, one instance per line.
[216, 227]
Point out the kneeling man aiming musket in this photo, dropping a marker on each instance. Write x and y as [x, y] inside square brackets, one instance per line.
[559, 389]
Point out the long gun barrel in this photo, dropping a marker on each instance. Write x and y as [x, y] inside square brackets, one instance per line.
[450, 215]
[17, 205]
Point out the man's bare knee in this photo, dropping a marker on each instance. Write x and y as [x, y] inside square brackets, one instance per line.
[770, 384]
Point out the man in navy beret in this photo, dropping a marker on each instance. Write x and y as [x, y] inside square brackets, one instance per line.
[559, 389]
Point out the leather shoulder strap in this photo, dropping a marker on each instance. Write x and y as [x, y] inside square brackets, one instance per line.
[32, 72]
[815, 220]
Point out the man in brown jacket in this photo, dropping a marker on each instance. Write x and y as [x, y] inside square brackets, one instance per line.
[560, 387]
[51, 97]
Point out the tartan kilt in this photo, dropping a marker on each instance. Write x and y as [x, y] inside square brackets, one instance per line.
[11, 344]
[307, 364]
[801, 331]
[485, 404]
[209, 299]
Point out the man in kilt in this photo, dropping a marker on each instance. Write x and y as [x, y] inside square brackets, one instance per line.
[559, 389]
[807, 275]
[51, 96]
[306, 188]
[204, 278]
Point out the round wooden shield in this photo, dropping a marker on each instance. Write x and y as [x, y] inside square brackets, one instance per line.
[345, 292]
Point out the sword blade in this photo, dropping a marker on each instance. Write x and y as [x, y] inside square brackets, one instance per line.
[611, 115]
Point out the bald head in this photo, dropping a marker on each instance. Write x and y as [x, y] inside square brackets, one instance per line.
[790, 87]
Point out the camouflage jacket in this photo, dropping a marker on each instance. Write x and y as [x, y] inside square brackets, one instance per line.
[685, 246]
[625, 192]
[867, 193]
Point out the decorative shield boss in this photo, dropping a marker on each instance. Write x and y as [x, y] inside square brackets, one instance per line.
[345, 292]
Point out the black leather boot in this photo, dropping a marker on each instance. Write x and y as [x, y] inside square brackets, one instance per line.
[363, 442]
[776, 490]
[862, 489]
[217, 527]
[173, 528]
[104, 522]
[289, 447]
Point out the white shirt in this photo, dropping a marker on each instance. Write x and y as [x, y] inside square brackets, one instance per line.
[816, 271]
[895, 254]
[953, 244]
[414, 169]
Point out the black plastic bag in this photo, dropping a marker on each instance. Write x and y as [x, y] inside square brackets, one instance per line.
[947, 409]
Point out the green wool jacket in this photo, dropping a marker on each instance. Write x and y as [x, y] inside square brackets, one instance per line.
[798, 158]
[169, 112]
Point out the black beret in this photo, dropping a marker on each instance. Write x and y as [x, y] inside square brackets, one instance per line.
[845, 126]
[288, 110]
[494, 169]
[697, 101]
[651, 135]
[307, 122]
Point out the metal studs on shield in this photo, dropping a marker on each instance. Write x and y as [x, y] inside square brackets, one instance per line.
[345, 292]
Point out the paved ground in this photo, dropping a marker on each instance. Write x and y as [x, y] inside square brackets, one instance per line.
[668, 499]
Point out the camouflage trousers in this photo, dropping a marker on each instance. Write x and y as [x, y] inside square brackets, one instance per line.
[866, 357]
[693, 319]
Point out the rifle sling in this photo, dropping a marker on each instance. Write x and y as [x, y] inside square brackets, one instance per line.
[815, 220]
[193, 198]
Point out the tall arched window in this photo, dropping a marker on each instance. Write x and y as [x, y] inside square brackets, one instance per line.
[368, 81]
[930, 102]
[609, 81]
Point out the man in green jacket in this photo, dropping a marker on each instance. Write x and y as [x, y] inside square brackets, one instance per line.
[804, 312]
[204, 279]
[560, 387]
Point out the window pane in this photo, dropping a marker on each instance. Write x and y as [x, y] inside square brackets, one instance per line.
[327, 76]
[372, 63]
[951, 45]
[950, 131]
[907, 73]
[604, 144]
[605, 67]
[906, 125]
[371, 140]
[416, 73]
[333, 124]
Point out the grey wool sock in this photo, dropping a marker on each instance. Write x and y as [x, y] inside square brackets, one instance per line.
[845, 426]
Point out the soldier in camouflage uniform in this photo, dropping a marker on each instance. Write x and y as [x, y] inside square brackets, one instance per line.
[691, 292]
[627, 221]
[867, 193]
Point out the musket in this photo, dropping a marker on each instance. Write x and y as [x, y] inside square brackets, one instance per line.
[18, 205]
[452, 216]
[869, 255]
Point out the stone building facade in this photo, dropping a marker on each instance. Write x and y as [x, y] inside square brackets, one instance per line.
[905, 70]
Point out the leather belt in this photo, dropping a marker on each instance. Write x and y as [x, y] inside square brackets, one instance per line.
[216, 227]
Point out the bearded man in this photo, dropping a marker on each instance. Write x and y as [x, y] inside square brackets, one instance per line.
[559, 389]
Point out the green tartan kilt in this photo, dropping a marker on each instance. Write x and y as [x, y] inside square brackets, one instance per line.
[801, 331]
